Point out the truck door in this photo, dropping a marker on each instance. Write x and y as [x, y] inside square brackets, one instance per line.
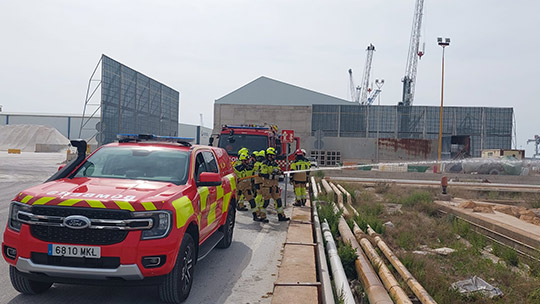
[216, 193]
[205, 195]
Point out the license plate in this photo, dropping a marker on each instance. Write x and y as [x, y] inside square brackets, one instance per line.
[74, 251]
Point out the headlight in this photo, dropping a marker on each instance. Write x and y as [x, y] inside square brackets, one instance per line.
[15, 207]
[161, 224]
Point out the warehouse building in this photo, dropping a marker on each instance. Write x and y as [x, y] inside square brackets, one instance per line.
[336, 130]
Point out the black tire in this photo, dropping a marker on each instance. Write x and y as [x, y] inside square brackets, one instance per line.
[228, 229]
[177, 284]
[26, 286]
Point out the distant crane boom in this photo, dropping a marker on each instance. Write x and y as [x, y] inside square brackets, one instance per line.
[364, 90]
[355, 90]
[373, 96]
[409, 81]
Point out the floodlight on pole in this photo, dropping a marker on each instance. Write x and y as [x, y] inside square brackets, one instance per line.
[379, 83]
[443, 43]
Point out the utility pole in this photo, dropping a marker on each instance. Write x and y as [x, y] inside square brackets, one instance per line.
[379, 83]
[443, 43]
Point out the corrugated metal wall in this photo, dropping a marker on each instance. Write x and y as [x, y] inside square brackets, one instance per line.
[487, 127]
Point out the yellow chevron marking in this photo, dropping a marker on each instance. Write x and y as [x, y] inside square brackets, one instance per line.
[43, 200]
[149, 206]
[212, 213]
[95, 204]
[124, 205]
[226, 201]
[184, 209]
[69, 202]
[203, 193]
[26, 199]
[219, 192]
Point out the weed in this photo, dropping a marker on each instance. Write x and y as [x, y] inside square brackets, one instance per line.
[534, 297]
[326, 212]
[348, 256]
[507, 254]
[381, 188]
[493, 195]
[319, 174]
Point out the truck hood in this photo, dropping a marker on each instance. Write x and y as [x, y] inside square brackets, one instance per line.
[134, 195]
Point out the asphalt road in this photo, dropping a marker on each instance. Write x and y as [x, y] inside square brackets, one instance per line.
[243, 273]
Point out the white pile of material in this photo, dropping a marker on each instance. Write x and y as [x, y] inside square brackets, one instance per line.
[25, 137]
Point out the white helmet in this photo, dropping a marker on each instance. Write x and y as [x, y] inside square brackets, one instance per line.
[303, 151]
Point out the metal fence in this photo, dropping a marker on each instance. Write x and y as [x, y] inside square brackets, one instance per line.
[134, 103]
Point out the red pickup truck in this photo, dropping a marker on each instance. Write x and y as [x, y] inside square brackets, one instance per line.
[143, 210]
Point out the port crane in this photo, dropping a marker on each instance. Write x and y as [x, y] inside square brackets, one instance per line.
[536, 142]
[415, 53]
[360, 94]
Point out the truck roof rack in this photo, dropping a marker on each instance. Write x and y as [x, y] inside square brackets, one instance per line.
[184, 141]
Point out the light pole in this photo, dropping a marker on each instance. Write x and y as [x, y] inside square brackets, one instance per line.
[379, 83]
[443, 43]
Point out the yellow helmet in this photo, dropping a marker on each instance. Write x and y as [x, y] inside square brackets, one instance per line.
[271, 151]
[262, 153]
[243, 151]
[243, 156]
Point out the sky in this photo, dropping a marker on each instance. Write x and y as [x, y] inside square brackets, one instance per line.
[207, 49]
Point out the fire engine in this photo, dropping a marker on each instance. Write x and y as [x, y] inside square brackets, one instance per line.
[142, 210]
[256, 138]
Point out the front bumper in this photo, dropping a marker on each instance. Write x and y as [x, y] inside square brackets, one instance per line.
[130, 252]
[126, 272]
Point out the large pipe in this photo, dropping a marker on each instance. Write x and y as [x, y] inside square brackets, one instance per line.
[373, 286]
[413, 284]
[338, 273]
[388, 279]
[339, 202]
[314, 188]
[349, 199]
[327, 187]
[324, 274]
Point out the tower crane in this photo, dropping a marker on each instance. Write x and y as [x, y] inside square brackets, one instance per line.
[360, 93]
[355, 90]
[409, 80]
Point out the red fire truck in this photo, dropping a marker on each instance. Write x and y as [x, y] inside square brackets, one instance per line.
[256, 138]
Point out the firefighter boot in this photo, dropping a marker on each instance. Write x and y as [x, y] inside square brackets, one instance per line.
[282, 217]
[241, 207]
[303, 202]
[255, 217]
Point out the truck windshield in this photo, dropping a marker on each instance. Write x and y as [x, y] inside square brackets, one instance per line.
[233, 143]
[140, 163]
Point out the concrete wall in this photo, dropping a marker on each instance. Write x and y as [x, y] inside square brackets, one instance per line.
[297, 118]
[390, 149]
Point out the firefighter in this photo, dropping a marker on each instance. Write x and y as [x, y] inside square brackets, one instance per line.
[270, 172]
[241, 205]
[300, 179]
[257, 183]
[244, 172]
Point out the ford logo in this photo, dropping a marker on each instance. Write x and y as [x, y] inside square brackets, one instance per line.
[77, 222]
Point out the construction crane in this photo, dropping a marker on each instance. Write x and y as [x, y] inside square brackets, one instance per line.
[355, 90]
[409, 81]
[360, 93]
[536, 142]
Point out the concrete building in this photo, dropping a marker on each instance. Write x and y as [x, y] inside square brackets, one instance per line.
[336, 130]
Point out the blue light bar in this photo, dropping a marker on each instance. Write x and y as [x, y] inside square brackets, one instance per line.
[252, 128]
[140, 137]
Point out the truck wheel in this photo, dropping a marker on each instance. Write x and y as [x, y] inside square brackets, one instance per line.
[177, 284]
[228, 228]
[26, 286]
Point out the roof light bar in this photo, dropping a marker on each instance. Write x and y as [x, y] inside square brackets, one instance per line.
[152, 137]
[247, 127]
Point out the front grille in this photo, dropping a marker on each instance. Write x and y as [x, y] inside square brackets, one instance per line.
[82, 236]
[103, 262]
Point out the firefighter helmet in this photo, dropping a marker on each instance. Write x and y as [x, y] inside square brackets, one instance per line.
[243, 156]
[243, 151]
[299, 152]
[271, 151]
[262, 153]
[303, 151]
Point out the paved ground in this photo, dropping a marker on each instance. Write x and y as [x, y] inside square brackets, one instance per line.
[243, 273]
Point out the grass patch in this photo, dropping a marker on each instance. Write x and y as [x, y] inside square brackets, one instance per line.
[348, 256]
[507, 254]
[326, 212]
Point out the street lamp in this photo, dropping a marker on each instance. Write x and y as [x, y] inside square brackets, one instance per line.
[443, 43]
[379, 83]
